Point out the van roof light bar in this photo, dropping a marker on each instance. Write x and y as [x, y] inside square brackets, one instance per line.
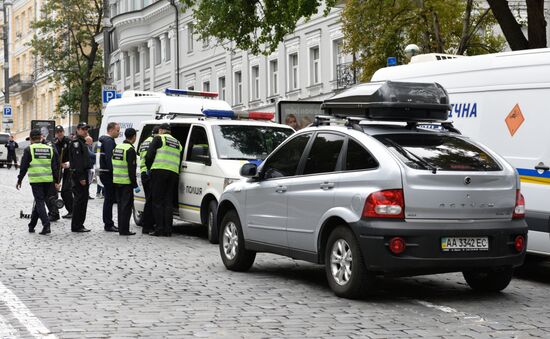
[391, 101]
[268, 116]
[180, 92]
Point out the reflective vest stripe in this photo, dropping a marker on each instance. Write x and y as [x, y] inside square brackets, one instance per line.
[168, 155]
[143, 153]
[40, 167]
[120, 164]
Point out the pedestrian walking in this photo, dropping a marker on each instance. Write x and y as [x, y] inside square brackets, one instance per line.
[80, 164]
[62, 144]
[147, 217]
[108, 144]
[163, 160]
[12, 156]
[124, 178]
[40, 162]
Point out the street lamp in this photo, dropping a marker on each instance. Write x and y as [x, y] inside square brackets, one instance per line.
[5, 37]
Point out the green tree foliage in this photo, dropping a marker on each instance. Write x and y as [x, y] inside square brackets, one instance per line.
[378, 29]
[65, 45]
[254, 25]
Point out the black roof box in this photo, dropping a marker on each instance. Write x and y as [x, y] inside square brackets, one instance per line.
[391, 101]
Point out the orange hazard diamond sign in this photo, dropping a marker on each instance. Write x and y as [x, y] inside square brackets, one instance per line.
[514, 120]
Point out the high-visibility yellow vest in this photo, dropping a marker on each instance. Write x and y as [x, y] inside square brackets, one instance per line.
[143, 153]
[168, 156]
[40, 168]
[120, 164]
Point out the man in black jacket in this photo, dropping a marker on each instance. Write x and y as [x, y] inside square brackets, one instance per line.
[62, 144]
[80, 165]
[124, 178]
[12, 157]
[108, 144]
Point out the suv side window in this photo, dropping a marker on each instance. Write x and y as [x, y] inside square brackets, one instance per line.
[324, 154]
[358, 158]
[284, 162]
[198, 149]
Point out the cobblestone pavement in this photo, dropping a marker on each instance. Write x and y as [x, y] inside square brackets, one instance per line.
[99, 285]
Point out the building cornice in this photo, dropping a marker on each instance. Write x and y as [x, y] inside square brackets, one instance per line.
[141, 16]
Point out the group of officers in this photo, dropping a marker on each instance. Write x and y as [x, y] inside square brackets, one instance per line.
[65, 165]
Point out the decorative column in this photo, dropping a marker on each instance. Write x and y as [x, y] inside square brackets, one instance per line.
[163, 41]
[172, 42]
[132, 58]
[122, 57]
[151, 45]
[142, 50]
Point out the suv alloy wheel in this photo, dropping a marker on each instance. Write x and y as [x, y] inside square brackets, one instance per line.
[234, 256]
[344, 266]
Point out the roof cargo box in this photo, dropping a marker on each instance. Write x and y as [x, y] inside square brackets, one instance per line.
[391, 101]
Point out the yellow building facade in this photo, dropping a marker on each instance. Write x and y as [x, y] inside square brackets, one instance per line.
[32, 95]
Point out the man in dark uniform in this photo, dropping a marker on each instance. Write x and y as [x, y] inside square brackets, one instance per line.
[51, 198]
[124, 178]
[62, 144]
[147, 218]
[80, 164]
[12, 157]
[40, 162]
[163, 160]
[108, 144]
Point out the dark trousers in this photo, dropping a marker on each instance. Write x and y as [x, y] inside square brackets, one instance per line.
[51, 197]
[110, 198]
[147, 218]
[164, 184]
[80, 203]
[40, 194]
[12, 157]
[125, 202]
[67, 190]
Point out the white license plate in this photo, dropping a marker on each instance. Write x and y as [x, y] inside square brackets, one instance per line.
[457, 244]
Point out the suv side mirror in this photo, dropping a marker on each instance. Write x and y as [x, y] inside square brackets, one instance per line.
[200, 153]
[249, 170]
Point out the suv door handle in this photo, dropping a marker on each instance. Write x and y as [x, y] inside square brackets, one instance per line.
[280, 189]
[542, 167]
[327, 185]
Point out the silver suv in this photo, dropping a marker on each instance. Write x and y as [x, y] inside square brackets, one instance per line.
[371, 198]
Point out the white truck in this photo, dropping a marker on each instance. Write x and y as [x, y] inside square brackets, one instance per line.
[500, 100]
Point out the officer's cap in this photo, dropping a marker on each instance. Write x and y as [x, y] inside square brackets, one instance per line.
[82, 125]
[35, 133]
[59, 128]
[165, 127]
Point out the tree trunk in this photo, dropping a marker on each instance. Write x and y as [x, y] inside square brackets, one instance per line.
[510, 27]
[85, 101]
[536, 24]
[465, 28]
[440, 44]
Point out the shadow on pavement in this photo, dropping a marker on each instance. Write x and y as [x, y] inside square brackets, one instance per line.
[535, 269]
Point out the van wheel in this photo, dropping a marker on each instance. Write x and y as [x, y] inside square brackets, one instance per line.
[489, 280]
[234, 255]
[138, 217]
[211, 222]
[344, 265]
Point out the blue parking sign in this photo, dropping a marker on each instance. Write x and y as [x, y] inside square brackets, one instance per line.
[108, 95]
[7, 111]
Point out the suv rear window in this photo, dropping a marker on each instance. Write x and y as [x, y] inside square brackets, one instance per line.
[438, 152]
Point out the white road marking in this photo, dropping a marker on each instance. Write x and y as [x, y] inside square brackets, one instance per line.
[6, 330]
[450, 310]
[35, 327]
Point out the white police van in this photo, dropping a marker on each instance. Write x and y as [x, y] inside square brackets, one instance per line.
[500, 100]
[215, 147]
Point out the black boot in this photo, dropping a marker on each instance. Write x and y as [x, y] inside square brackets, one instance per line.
[45, 230]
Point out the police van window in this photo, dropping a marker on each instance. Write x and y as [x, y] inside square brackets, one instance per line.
[198, 149]
[145, 133]
[358, 158]
[284, 162]
[324, 153]
[180, 132]
[248, 142]
[4, 138]
[439, 152]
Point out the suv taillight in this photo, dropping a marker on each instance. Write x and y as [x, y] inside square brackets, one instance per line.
[385, 204]
[519, 209]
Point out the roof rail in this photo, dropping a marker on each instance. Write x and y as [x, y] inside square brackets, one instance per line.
[173, 115]
[434, 57]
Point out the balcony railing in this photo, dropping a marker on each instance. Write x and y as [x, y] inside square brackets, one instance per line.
[21, 82]
[346, 75]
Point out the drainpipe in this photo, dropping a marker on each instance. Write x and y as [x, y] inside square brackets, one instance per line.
[176, 22]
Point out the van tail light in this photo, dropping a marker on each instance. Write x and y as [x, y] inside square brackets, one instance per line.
[385, 204]
[519, 209]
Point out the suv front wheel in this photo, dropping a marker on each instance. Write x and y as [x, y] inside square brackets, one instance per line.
[344, 266]
[234, 256]
[489, 280]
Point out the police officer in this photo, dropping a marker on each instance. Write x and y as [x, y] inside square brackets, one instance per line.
[62, 144]
[163, 160]
[124, 178]
[12, 145]
[40, 162]
[147, 218]
[51, 198]
[108, 144]
[79, 165]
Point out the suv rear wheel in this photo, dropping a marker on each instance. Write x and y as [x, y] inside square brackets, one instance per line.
[211, 222]
[234, 256]
[344, 266]
[489, 280]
